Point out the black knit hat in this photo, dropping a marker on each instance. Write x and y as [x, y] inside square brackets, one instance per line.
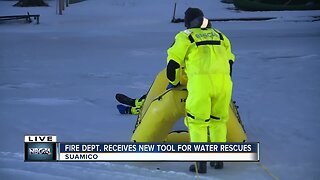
[193, 17]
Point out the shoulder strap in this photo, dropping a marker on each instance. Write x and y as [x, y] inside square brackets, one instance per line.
[220, 34]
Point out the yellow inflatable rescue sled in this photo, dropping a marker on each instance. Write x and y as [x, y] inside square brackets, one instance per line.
[161, 110]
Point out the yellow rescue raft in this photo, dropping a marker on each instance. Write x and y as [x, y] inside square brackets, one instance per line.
[161, 110]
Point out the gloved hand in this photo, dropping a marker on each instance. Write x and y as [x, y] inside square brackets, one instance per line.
[230, 63]
[170, 86]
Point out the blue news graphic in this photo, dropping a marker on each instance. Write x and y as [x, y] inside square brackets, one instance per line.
[158, 147]
[130, 151]
[40, 151]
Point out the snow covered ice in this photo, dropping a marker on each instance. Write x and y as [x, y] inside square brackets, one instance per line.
[60, 77]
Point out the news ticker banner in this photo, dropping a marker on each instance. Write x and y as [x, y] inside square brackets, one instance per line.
[46, 148]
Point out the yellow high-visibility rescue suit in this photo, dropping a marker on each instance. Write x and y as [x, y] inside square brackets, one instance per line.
[205, 54]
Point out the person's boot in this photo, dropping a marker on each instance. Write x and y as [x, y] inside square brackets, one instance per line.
[216, 164]
[135, 110]
[202, 167]
[139, 102]
[124, 109]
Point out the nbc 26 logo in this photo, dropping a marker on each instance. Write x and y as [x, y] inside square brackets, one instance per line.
[46, 151]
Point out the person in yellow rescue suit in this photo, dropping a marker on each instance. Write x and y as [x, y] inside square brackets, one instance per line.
[206, 55]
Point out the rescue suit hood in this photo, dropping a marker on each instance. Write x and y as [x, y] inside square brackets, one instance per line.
[194, 18]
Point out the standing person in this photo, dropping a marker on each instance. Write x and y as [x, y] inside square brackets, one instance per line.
[206, 55]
